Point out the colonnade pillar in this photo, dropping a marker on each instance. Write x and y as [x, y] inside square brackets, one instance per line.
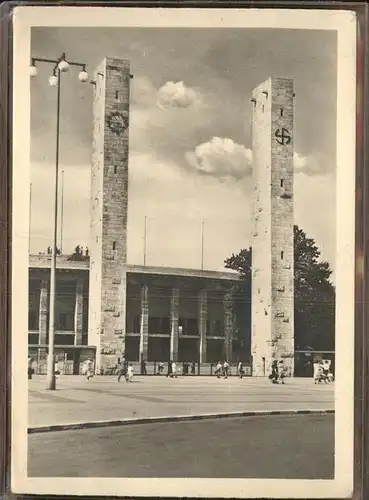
[144, 323]
[174, 324]
[203, 316]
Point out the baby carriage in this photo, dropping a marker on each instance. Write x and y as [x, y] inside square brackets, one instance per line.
[323, 375]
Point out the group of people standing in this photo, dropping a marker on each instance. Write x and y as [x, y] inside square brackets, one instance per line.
[278, 372]
[172, 370]
[125, 370]
[322, 372]
[222, 369]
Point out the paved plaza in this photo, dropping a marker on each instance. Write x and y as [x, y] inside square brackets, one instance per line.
[103, 398]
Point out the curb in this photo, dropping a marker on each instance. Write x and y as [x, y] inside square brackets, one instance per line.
[180, 418]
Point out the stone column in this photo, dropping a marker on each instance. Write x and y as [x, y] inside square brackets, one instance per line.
[43, 314]
[203, 315]
[228, 325]
[144, 323]
[174, 323]
[78, 313]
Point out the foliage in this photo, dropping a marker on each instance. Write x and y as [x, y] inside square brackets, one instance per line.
[314, 294]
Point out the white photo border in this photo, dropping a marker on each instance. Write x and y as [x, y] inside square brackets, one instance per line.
[345, 24]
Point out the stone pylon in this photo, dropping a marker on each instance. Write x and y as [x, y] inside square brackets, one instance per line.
[272, 242]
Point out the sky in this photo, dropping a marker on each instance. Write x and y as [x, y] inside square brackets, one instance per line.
[190, 136]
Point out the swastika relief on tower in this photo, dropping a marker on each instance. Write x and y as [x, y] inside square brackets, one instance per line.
[283, 136]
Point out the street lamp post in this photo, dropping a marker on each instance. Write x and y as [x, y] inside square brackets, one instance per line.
[60, 65]
[62, 214]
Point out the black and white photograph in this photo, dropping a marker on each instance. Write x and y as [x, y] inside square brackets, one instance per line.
[183, 248]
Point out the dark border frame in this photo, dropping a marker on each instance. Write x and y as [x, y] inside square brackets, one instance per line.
[361, 464]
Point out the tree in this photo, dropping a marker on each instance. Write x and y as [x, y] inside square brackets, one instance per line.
[314, 294]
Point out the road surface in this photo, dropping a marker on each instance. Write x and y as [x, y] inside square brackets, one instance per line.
[287, 447]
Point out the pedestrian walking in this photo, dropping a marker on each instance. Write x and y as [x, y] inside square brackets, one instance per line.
[273, 377]
[87, 369]
[218, 369]
[56, 369]
[174, 370]
[240, 370]
[193, 368]
[143, 367]
[160, 368]
[169, 373]
[317, 372]
[30, 370]
[122, 369]
[281, 372]
[129, 375]
[225, 369]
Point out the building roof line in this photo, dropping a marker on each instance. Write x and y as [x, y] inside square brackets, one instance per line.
[43, 261]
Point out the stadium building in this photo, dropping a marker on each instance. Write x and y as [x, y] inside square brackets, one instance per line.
[181, 314]
[107, 308]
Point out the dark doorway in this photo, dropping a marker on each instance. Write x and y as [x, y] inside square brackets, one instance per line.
[188, 350]
[215, 350]
[76, 361]
[132, 348]
[159, 349]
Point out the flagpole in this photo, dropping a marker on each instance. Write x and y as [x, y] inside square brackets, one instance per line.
[30, 217]
[62, 212]
[202, 245]
[145, 232]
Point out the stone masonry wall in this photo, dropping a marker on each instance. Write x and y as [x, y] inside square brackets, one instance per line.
[282, 221]
[272, 278]
[110, 246]
[97, 168]
[261, 238]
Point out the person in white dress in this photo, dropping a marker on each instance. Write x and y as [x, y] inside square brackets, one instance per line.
[240, 370]
[225, 369]
[218, 369]
[129, 373]
[317, 372]
[87, 369]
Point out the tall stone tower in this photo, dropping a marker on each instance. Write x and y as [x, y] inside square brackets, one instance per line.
[272, 243]
[109, 204]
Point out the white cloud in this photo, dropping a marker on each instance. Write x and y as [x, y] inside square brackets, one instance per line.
[176, 95]
[307, 165]
[222, 158]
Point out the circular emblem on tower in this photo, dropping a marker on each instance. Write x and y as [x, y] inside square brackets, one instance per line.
[117, 121]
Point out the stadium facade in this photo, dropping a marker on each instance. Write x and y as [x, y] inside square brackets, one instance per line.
[106, 308]
[185, 315]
